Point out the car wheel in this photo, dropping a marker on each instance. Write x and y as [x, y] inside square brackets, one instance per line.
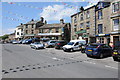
[101, 56]
[115, 59]
[88, 55]
[71, 50]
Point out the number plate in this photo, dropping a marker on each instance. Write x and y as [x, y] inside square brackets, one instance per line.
[115, 53]
[89, 50]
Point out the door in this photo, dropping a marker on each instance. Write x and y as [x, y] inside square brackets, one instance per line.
[76, 46]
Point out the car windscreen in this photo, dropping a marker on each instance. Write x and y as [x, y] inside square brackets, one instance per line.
[53, 42]
[70, 43]
[93, 46]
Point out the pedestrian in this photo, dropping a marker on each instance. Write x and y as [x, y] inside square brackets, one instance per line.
[111, 45]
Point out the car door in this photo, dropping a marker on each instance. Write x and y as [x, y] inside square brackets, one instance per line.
[76, 46]
[107, 50]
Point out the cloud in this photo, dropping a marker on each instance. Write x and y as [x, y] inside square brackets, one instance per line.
[57, 12]
[7, 31]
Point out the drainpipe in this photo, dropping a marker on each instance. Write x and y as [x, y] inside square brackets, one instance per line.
[95, 23]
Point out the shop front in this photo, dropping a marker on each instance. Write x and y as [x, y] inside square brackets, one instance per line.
[103, 38]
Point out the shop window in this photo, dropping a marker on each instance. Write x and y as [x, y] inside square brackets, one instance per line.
[101, 40]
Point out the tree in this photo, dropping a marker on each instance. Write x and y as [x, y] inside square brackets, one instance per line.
[4, 36]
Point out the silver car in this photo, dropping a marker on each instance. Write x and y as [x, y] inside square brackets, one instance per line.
[50, 43]
[37, 45]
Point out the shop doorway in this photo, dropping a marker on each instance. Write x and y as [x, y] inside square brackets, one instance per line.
[115, 39]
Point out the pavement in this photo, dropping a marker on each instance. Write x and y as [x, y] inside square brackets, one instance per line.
[20, 61]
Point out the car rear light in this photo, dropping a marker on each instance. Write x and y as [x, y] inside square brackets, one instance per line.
[97, 46]
[58, 43]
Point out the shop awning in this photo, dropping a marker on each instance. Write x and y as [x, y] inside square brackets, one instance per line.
[29, 35]
[85, 36]
[49, 34]
[81, 31]
[102, 35]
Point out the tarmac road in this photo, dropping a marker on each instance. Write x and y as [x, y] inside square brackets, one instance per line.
[20, 61]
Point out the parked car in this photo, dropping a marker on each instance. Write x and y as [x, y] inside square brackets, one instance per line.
[60, 44]
[50, 43]
[37, 45]
[74, 45]
[14, 42]
[116, 51]
[24, 41]
[98, 50]
[29, 41]
[20, 42]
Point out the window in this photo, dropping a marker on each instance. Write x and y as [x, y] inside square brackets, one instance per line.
[75, 28]
[115, 7]
[101, 39]
[50, 30]
[32, 32]
[26, 26]
[17, 33]
[100, 28]
[99, 14]
[32, 25]
[75, 19]
[81, 25]
[57, 30]
[26, 31]
[87, 14]
[81, 17]
[116, 24]
[88, 24]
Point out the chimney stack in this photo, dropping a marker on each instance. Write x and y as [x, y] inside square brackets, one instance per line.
[61, 21]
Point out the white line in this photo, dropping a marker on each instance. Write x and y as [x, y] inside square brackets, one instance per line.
[111, 67]
[89, 62]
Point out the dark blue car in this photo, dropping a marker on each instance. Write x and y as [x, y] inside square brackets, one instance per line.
[98, 50]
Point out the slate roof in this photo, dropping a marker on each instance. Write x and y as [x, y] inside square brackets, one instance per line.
[53, 25]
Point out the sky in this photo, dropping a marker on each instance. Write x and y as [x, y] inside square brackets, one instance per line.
[14, 13]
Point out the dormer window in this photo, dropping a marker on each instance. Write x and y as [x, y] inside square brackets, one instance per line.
[100, 5]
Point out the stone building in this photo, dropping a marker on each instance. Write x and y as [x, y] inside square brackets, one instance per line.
[31, 28]
[115, 21]
[56, 31]
[103, 22]
[83, 24]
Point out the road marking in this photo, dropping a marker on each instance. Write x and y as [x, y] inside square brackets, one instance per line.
[89, 62]
[110, 67]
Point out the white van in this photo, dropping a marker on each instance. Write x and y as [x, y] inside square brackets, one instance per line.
[74, 45]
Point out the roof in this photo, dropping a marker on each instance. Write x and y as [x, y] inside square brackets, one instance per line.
[32, 22]
[85, 8]
[53, 25]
